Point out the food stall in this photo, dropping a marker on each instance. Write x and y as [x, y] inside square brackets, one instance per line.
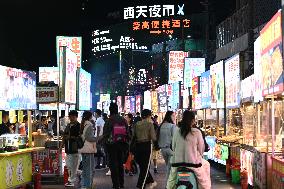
[17, 93]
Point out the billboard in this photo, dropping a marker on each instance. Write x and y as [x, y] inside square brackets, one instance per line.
[271, 56]
[205, 88]
[193, 67]
[49, 74]
[18, 90]
[84, 90]
[217, 85]
[176, 65]
[232, 82]
[72, 43]
[257, 72]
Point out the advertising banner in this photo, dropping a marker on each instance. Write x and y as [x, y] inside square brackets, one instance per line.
[175, 96]
[248, 89]
[72, 43]
[176, 65]
[138, 103]
[155, 102]
[18, 90]
[195, 91]
[193, 67]
[49, 74]
[147, 100]
[271, 57]
[232, 81]
[84, 90]
[257, 72]
[205, 88]
[46, 94]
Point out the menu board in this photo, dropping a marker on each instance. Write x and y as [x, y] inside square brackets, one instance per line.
[18, 90]
[193, 67]
[147, 100]
[232, 81]
[176, 65]
[84, 90]
[217, 85]
[257, 72]
[69, 77]
[72, 43]
[271, 56]
[49, 74]
[155, 102]
[205, 88]
[247, 88]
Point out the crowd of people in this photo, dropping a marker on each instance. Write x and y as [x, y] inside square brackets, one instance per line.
[119, 142]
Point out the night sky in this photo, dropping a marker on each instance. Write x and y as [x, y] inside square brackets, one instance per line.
[28, 28]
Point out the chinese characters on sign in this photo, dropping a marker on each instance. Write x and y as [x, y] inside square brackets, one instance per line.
[138, 103]
[103, 41]
[195, 92]
[217, 85]
[46, 94]
[205, 85]
[232, 81]
[49, 74]
[193, 67]
[176, 65]
[153, 11]
[84, 90]
[72, 43]
[155, 102]
[160, 26]
[141, 79]
[70, 77]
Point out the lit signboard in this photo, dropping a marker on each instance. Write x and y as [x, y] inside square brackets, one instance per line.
[153, 11]
[18, 91]
[138, 103]
[142, 77]
[127, 104]
[247, 88]
[104, 97]
[271, 56]
[147, 100]
[119, 103]
[72, 43]
[132, 104]
[193, 67]
[217, 85]
[195, 91]
[103, 41]
[155, 101]
[162, 98]
[232, 81]
[84, 90]
[176, 65]
[257, 72]
[49, 74]
[175, 96]
[205, 88]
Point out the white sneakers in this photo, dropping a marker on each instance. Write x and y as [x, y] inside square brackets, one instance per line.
[69, 184]
[108, 173]
[152, 185]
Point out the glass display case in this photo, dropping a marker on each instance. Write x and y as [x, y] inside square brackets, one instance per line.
[249, 122]
[214, 122]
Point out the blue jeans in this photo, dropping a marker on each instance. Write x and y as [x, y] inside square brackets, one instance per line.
[88, 163]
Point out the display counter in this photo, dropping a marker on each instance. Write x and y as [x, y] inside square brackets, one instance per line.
[16, 167]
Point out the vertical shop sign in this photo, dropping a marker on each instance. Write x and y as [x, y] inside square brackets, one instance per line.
[49, 74]
[193, 67]
[84, 90]
[132, 104]
[119, 103]
[271, 56]
[205, 88]
[257, 72]
[155, 103]
[127, 104]
[72, 43]
[176, 65]
[195, 91]
[232, 81]
[175, 95]
[138, 103]
[147, 100]
[162, 95]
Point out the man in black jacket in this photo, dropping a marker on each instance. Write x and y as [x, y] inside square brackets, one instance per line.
[70, 138]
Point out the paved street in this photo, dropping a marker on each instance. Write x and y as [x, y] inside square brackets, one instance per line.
[219, 180]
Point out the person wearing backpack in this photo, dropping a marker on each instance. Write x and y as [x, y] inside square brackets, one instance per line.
[70, 137]
[144, 135]
[88, 150]
[164, 138]
[116, 139]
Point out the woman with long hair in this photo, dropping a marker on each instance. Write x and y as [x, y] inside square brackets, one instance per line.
[144, 135]
[88, 150]
[188, 148]
[165, 136]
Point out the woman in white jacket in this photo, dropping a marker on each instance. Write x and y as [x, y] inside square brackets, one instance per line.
[188, 148]
[88, 150]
